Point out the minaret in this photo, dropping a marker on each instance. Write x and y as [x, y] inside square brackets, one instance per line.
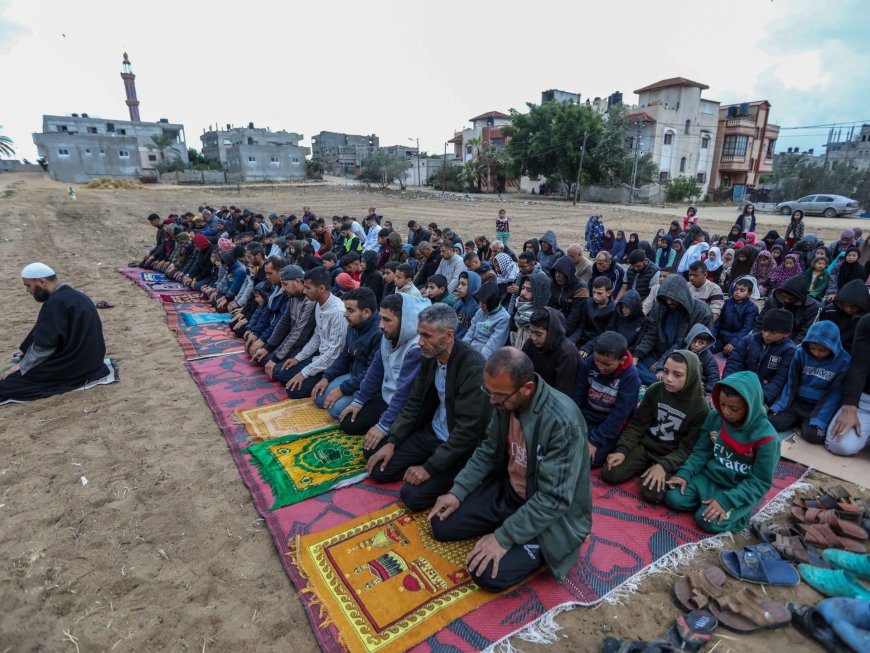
[130, 88]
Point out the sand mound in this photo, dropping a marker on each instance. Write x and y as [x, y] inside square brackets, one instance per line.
[103, 183]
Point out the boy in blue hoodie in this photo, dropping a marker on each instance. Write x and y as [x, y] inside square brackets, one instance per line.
[738, 315]
[732, 465]
[606, 393]
[490, 324]
[814, 390]
[629, 320]
[766, 354]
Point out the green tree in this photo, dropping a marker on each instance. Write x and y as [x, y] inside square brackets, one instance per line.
[488, 166]
[450, 178]
[162, 143]
[382, 169]
[7, 147]
[680, 188]
[314, 168]
[796, 175]
[546, 141]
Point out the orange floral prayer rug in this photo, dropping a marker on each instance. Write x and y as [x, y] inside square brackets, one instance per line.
[384, 582]
[290, 417]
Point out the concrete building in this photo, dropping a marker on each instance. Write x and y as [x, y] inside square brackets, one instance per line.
[854, 151]
[79, 148]
[485, 132]
[555, 95]
[745, 143]
[256, 153]
[342, 153]
[677, 127]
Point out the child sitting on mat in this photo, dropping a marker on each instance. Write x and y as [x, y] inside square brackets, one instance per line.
[731, 468]
[814, 390]
[663, 430]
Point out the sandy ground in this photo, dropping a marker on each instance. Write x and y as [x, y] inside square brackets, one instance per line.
[162, 549]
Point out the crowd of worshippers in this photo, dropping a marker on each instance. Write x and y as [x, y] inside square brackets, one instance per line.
[490, 381]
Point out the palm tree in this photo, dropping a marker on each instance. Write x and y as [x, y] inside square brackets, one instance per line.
[162, 143]
[6, 147]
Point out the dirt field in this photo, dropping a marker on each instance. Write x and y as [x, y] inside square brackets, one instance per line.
[162, 549]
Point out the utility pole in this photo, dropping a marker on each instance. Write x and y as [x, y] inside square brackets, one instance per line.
[639, 123]
[580, 167]
[419, 183]
[444, 170]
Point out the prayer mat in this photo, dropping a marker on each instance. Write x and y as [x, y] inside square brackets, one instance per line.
[183, 298]
[385, 583]
[298, 467]
[290, 417]
[197, 319]
[207, 340]
[154, 277]
[168, 285]
[173, 310]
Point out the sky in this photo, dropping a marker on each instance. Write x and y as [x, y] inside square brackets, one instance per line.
[419, 70]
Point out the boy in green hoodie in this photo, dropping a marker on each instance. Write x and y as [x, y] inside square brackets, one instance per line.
[732, 465]
[663, 430]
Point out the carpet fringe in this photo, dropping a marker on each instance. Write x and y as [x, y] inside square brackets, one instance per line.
[782, 500]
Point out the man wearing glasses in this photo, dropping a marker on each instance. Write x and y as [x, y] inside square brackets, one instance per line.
[526, 488]
[443, 419]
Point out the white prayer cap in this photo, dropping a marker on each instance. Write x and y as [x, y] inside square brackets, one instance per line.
[36, 271]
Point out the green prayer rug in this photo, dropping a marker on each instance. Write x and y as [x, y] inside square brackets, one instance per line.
[301, 466]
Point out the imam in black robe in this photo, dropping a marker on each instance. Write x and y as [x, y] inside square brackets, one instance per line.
[69, 324]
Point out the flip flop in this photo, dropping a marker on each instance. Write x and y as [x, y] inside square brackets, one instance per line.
[837, 492]
[856, 563]
[760, 564]
[834, 582]
[832, 519]
[744, 611]
[697, 589]
[824, 502]
[810, 623]
[691, 632]
[104, 304]
[823, 536]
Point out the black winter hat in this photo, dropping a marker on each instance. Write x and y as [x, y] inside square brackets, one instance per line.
[779, 320]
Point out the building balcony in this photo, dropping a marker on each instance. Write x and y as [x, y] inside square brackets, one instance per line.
[740, 122]
[733, 158]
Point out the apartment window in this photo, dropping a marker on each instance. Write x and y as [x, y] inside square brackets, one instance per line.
[275, 160]
[705, 142]
[87, 152]
[62, 128]
[124, 154]
[468, 149]
[687, 126]
[701, 177]
[102, 152]
[110, 126]
[295, 161]
[664, 176]
[252, 160]
[669, 138]
[62, 151]
[227, 141]
[735, 145]
[683, 164]
[123, 132]
[152, 157]
[92, 130]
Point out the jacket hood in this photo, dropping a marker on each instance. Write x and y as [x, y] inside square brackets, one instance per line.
[540, 287]
[796, 286]
[747, 385]
[564, 265]
[677, 288]
[826, 334]
[474, 283]
[411, 307]
[549, 237]
[696, 331]
[693, 387]
[556, 330]
[395, 241]
[488, 295]
[754, 293]
[854, 292]
[631, 299]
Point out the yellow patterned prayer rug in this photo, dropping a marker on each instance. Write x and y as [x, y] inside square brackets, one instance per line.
[289, 417]
[384, 582]
[298, 467]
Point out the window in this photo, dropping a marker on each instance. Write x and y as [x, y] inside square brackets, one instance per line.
[152, 157]
[468, 149]
[295, 161]
[663, 176]
[683, 164]
[123, 132]
[110, 126]
[102, 152]
[669, 138]
[688, 126]
[92, 130]
[124, 154]
[62, 151]
[735, 145]
[227, 141]
[701, 177]
[705, 142]
[87, 152]
[252, 160]
[61, 128]
[275, 161]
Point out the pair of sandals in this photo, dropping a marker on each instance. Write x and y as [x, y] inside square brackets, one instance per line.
[742, 610]
[690, 633]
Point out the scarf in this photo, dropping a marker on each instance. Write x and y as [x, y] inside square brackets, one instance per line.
[740, 268]
[508, 270]
[713, 264]
[783, 274]
[763, 273]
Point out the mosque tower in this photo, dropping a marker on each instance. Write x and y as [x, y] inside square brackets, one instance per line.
[130, 89]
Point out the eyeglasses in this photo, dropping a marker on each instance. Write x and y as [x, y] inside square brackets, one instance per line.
[498, 400]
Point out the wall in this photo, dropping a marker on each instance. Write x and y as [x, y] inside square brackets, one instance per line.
[13, 165]
[289, 164]
[620, 194]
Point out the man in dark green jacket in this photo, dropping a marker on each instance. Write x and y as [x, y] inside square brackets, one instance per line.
[443, 419]
[526, 489]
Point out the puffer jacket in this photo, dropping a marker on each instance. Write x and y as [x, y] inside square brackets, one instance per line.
[804, 309]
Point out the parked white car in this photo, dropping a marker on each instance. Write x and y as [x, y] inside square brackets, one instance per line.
[829, 206]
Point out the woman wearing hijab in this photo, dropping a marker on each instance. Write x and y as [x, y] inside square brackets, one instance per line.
[763, 270]
[734, 234]
[847, 240]
[595, 235]
[619, 245]
[647, 249]
[608, 241]
[679, 250]
[665, 254]
[693, 254]
[727, 262]
[743, 260]
[632, 244]
[714, 264]
[790, 267]
[795, 230]
[770, 238]
[777, 252]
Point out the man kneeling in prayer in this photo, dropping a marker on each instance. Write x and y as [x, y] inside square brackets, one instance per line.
[65, 349]
[526, 488]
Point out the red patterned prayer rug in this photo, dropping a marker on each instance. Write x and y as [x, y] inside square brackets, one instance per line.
[629, 536]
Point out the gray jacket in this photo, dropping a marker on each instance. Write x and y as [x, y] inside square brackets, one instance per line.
[293, 329]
